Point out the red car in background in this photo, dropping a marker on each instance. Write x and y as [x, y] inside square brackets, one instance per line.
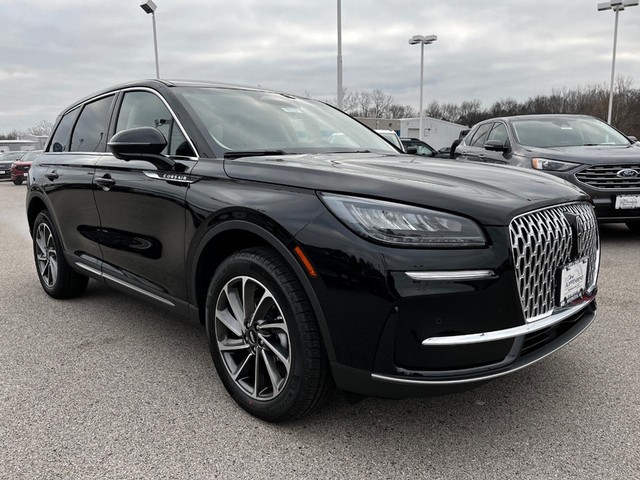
[6, 160]
[20, 168]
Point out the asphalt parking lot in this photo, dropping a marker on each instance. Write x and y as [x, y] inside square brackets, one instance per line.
[106, 386]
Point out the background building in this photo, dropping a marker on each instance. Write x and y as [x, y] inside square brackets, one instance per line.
[28, 142]
[437, 133]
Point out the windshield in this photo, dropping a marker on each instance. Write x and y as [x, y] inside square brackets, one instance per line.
[565, 132]
[11, 156]
[30, 156]
[241, 120]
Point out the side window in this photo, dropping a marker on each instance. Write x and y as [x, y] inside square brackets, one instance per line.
[61, 135]
[144, 109]
[481, 135]
[499, 133]
[90, 133]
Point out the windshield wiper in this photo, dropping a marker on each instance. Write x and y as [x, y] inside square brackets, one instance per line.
[253, 153]
[350, 151]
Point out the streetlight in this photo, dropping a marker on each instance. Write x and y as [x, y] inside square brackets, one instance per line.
[617, 6]
[340, 92]
[422, 40]
[150, 7]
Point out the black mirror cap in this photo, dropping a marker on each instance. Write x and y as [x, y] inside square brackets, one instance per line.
[136, 143]
[496, 146]
[412, 150]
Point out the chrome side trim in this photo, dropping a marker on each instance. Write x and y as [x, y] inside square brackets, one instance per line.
[125, 284]
[483, 337]
[411, 381]
[90, 269]
[454, 275]
[172, 177]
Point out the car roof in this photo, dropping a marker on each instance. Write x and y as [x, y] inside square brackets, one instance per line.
[550, 116]
[164, 83]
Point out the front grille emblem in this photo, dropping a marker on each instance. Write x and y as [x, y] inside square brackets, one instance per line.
[572, 218]
[627, 173]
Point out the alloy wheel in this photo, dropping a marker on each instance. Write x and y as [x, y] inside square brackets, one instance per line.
[253, 338]
[46, 255]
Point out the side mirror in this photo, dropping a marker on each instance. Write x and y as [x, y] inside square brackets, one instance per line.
[412, 150]
[632, 139]
[141, 143]
[496, 146]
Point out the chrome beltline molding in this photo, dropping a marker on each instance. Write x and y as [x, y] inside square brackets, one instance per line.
[453, 275]
[125, 284]
[483, 337]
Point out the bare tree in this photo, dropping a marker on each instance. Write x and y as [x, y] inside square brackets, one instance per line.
[43, 127]
[380, 104]
[401, 111]
[364, 103]
[12, 135]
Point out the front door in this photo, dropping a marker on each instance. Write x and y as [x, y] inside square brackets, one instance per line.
[143, 210]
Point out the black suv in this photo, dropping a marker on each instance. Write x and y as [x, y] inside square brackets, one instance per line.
[311, 249]
[580, 149]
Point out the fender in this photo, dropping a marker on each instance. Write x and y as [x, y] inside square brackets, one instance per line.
[284, 252]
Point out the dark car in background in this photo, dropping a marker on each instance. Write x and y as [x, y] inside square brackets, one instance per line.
[6, 160]
[20, 168]
[313, 251]
[580, 149]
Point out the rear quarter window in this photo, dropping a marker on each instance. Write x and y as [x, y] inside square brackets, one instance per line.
[60, 139]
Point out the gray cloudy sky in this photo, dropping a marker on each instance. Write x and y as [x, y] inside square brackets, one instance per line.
[56, 51]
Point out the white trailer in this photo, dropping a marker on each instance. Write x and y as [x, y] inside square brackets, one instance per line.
[437, 133]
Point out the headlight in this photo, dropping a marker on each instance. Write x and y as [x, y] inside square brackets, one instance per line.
[406, 225]
[551, 165]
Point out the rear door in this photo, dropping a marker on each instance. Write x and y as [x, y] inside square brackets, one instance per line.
[473, 149]
[142, 209]
[65, 172]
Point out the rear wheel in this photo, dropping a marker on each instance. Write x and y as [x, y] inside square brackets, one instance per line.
[634, 226]
[264, 337]
[17, 182]
[56, 276]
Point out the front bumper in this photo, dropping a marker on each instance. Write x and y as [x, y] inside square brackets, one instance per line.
[19, 175]
[527, 350]
[604, 199]
[410, 322]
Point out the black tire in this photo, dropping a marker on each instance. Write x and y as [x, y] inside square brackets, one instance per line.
[17, 182]
[63, 281]
[306, 382]
[634, 226]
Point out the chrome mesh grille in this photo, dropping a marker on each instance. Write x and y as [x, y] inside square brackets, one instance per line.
[542, 242]
[606, 176]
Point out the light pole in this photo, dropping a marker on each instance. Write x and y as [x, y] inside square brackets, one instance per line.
[617, 6]
[340, 102]
[150, 7]
[422, 40]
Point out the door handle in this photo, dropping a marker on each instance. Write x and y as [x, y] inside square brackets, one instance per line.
[106, 182]
[52, 175]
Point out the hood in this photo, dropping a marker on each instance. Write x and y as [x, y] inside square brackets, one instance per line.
[590, 155]
[490, 194]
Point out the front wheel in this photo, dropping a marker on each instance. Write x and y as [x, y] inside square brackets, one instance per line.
[57, 278]
[264, 337]
[634, 226]
[17, 182]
